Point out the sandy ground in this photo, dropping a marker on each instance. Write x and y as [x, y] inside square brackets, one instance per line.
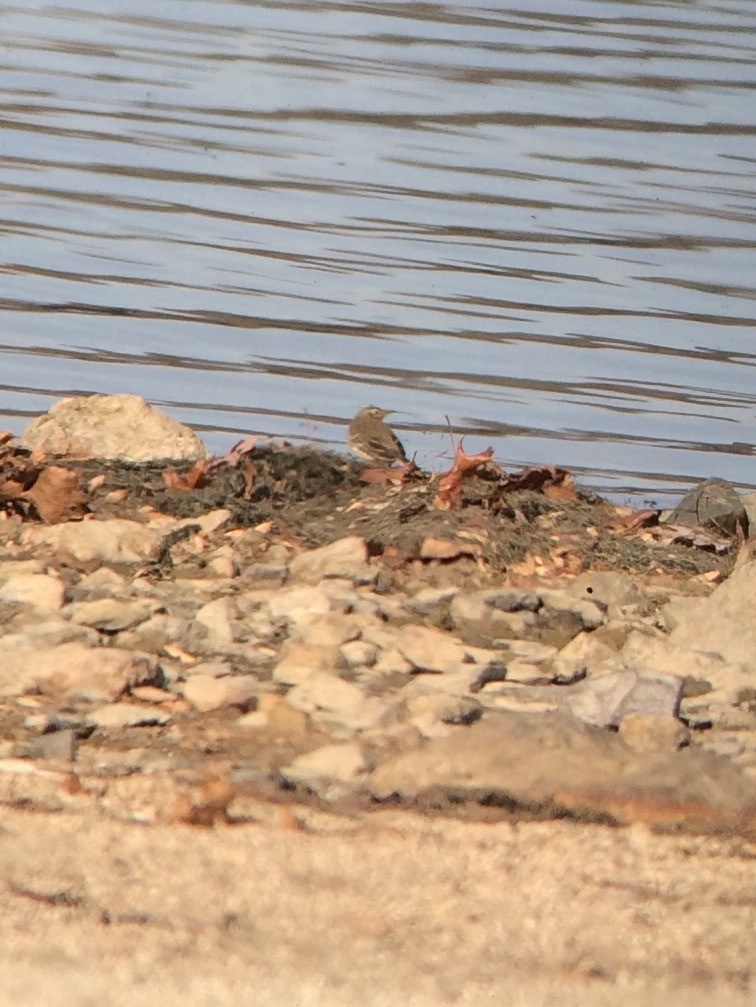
[382, 909]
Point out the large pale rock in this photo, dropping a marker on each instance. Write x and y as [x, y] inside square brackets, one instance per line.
[114, 541]
[330, 630]
[344, 762]
[110, 615]
[300, 661]
[345, 558]
[429, 649]
[299, 604]
[112, 426]
[218, 619]
[117, 716]
[661, 655]
[73, 670]
[725, 622]
[607, 699]
[551, 763]
[335, 703]
[205, 692]
[43, 591]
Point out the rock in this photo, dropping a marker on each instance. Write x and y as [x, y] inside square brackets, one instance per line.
[604, 701]
[713, 504]
[558, 766]
[346, 557]
[299, 604]
[486, 616]
[281, 718]
[342, 762]
[528, 672]
[429, 600]
[724, 622]
[109, 615]
[212, 669]
[435, 715]
[584, 654]
[49, 633]
[112, 426]
[206, 692]
[218, 618]
[390, 662]
[612, 591]
[73, 670]
[589, 614]
[113, 541]
[43, 591]
[330, 630]
[300, 661]
[726, 678]
[336, 704]
[358, 654]
[121, 715]
[55, 745]
[653, 732]
[429, 649]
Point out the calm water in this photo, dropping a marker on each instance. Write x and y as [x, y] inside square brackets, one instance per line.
[533, 218]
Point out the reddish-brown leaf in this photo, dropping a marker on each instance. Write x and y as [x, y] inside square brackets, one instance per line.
[193, 479]
[57, 495]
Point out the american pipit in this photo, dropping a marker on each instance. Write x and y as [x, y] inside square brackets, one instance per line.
[371, 439]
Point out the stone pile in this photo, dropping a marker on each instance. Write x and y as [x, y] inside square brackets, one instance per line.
[599, 696]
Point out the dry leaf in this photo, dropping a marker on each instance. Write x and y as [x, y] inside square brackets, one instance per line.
[96, 482]
[249, 471]
[449, 494]
[393, 475]
[193, 479]
[56, 495]
[554, 482]
[206, 805]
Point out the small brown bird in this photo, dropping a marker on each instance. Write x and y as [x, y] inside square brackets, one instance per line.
[371, 439]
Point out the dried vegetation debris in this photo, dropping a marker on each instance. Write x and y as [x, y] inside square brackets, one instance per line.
[536, 520]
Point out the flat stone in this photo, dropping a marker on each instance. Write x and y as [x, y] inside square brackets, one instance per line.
[55, 745]
[435, 715]
[614, 591]
[121, 715]
[330, 630]
[218, 618]
[429, 649]
[590, 614]
[43, 591]
[299, 662]
[344, 761]
[556, 765]
[358, 654]
[207, 693]
[430, 600]
[332, 701]
[112, 426]
[584, 654]
[73, 670]
[110, 615]
[299, 603]
[113, 541]
[605, 700]
[653, 732]
[346, 557]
